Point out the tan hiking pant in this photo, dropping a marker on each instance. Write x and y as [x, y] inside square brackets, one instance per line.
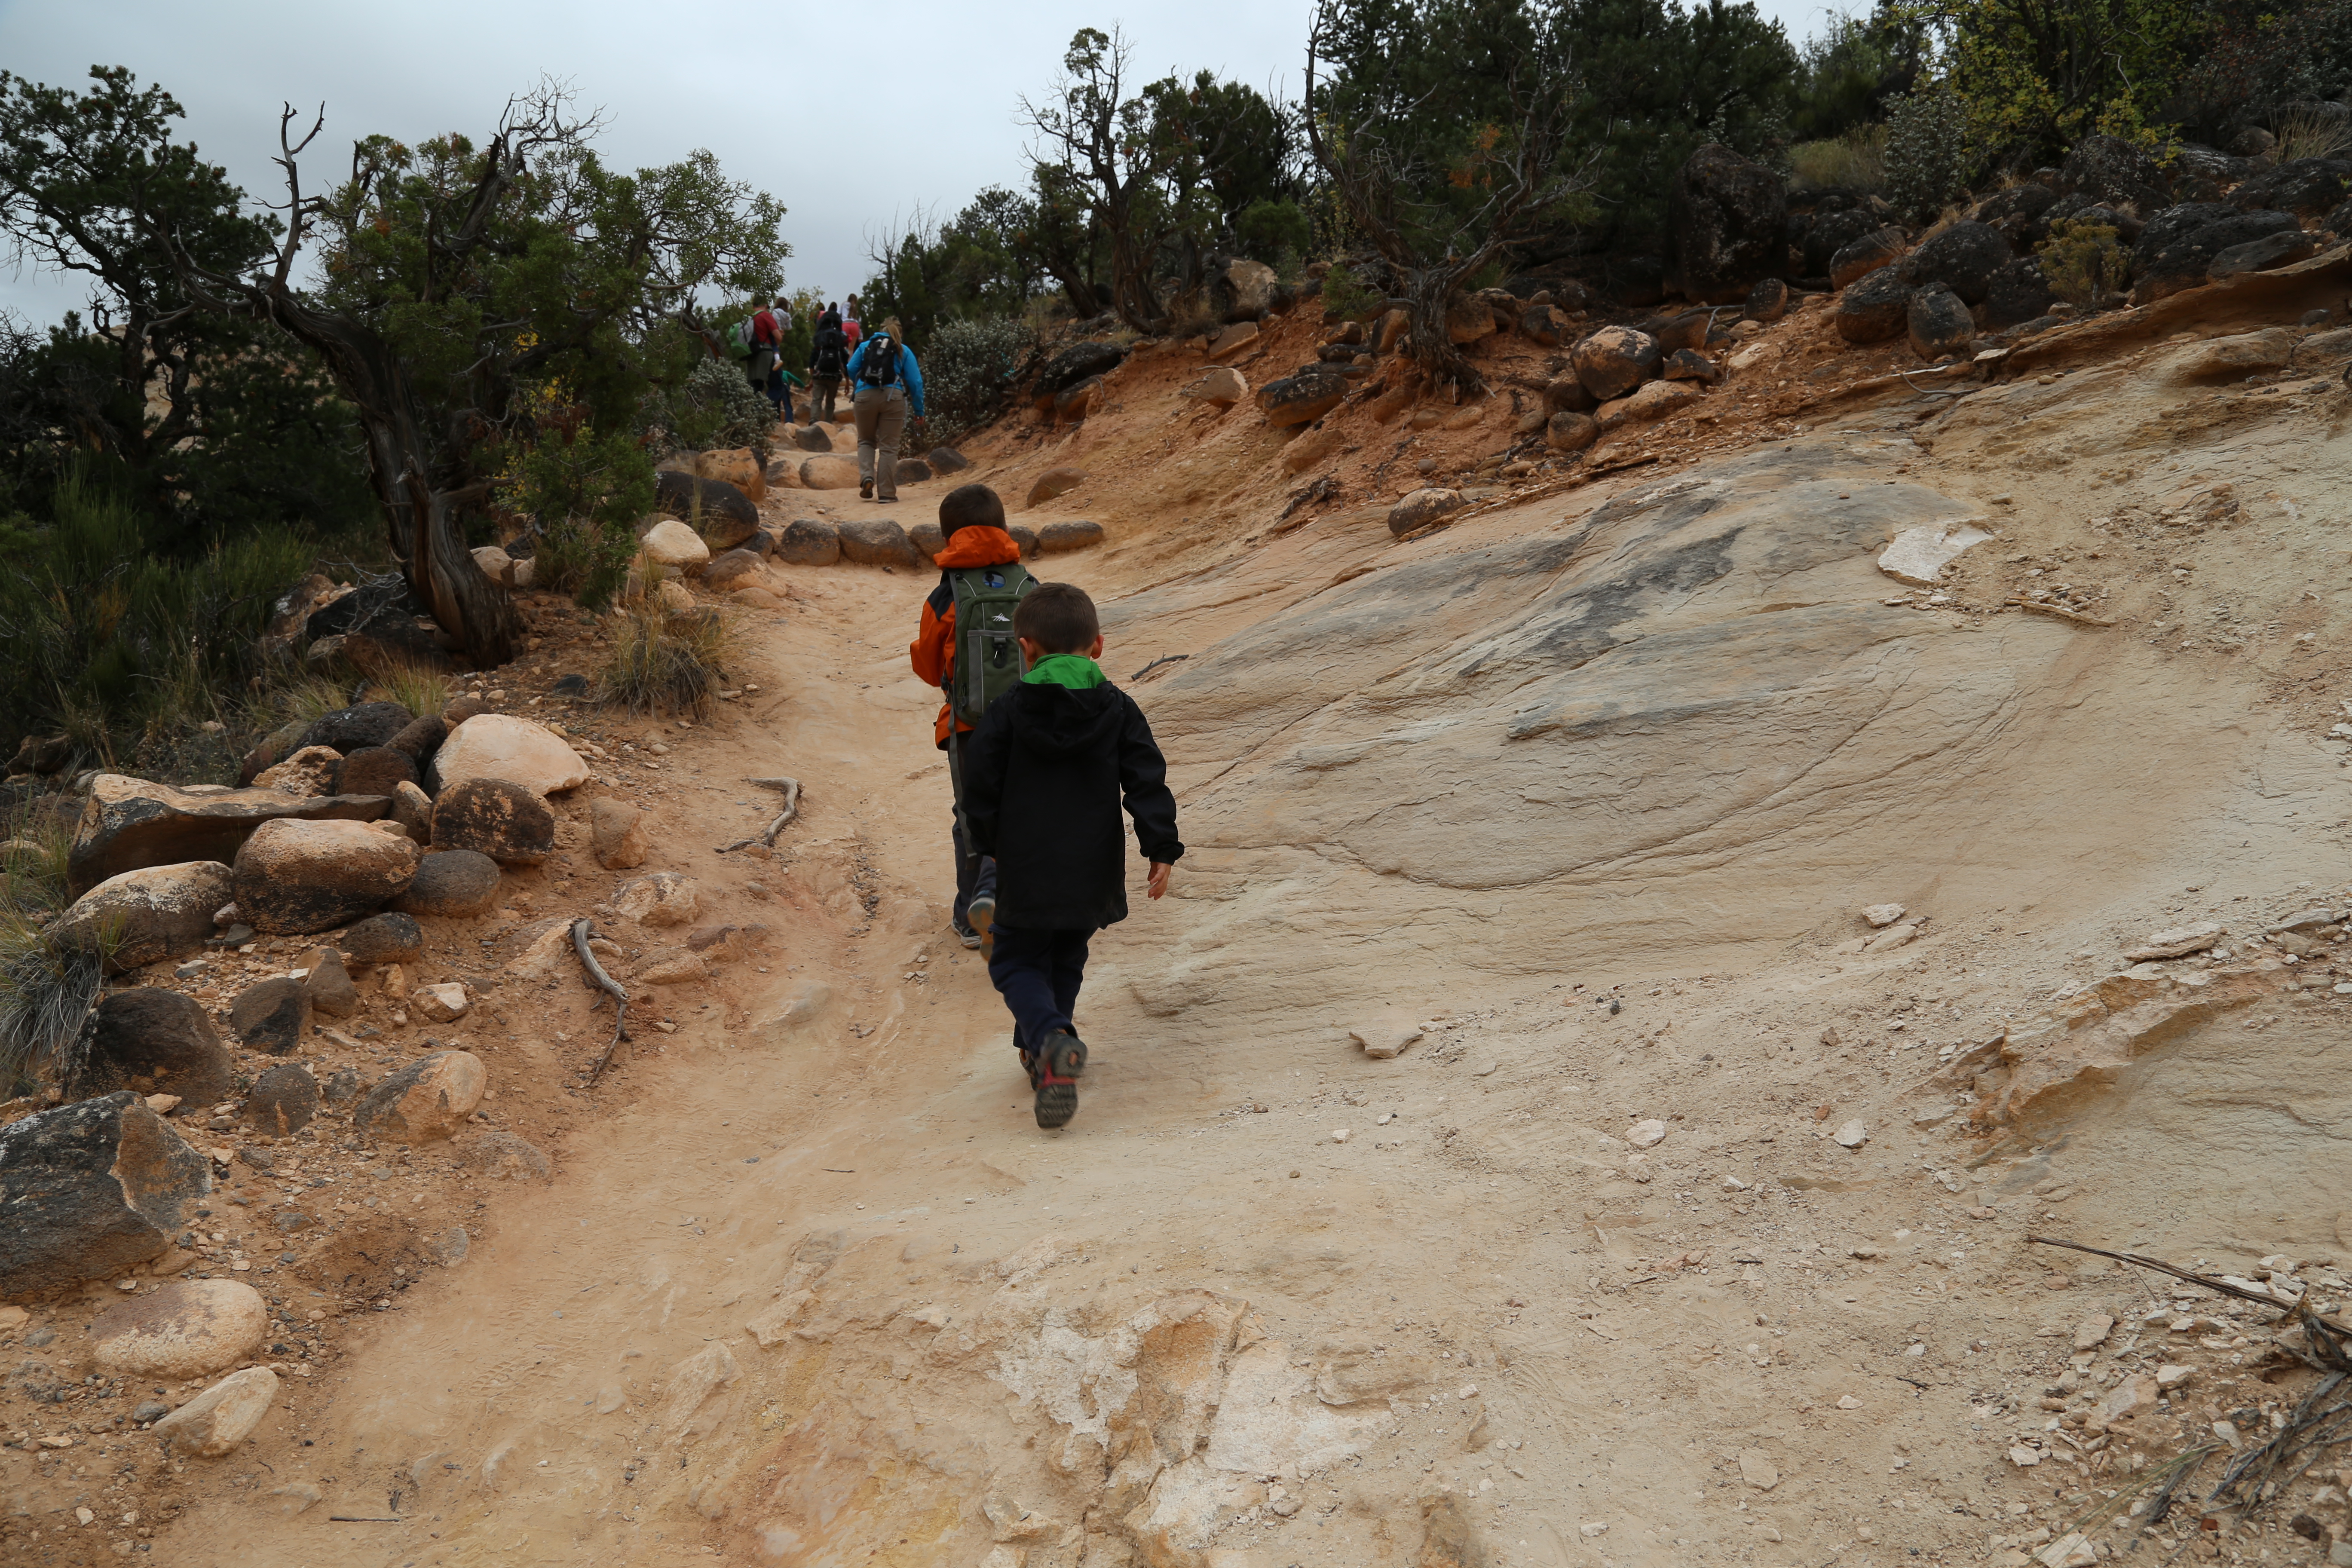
[881, 415]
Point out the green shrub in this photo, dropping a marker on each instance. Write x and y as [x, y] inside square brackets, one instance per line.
[577, 493]
[1343, 292]
[1925, 153]
[108, 638]
[1276, 233]
[716, 408]
[2086, 264]
[970, 369]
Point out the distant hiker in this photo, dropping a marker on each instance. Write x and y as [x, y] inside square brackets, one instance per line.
[828, 357]
[850, 327]
[966, 647]
[1043, 781]
[767, 341]
[781, 383]
[887, 385]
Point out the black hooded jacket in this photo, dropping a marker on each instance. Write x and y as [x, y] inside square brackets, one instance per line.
[1043, 778]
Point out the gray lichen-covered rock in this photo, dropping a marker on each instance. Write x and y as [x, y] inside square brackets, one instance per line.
[1863, 254]
[1962, 257]
[1613, 360]
[505, 821]
[349, 730]
[455, 884]
[384, 939]
[808, 542]
[271, 1015]
[1056, 537]
[1875, 308]
[1727, 219]
[877, 541]
[151, 915]
[1939, 324]
[89, 1189]
[282, 1100]
[303, 876]
[154, 1041]
[1303, 398]
[375, 770]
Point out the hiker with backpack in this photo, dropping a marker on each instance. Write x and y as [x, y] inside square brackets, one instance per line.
[965, 646]
[828, 358]
[887, 383]
[764, 335]
[1045, 774]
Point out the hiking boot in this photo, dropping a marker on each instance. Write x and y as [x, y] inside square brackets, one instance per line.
[1054, 1070]
[982, 913]
[866, 490]
[965, 934]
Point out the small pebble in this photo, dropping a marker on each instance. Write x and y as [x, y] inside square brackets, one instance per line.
[1338, 1135]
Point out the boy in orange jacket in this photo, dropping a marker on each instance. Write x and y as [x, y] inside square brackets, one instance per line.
[972, 519]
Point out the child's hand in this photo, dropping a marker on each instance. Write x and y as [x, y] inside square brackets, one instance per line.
[1158, 883]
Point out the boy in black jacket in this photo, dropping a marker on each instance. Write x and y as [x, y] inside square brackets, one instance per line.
[1044, 775]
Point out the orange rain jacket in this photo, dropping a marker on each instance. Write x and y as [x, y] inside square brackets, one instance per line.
[932, 653]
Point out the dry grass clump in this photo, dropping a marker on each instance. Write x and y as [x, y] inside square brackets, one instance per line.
[421, 691]
[47, 989]
[2309, 133]
[669, 663]
[1855, 160]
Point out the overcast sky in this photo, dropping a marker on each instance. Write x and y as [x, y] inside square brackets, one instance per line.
[786, 96]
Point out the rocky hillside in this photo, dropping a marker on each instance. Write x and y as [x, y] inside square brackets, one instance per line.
[1697, 856]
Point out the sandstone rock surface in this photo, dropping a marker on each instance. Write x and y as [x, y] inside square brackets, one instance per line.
[295, 877]
[187, 1329]
[148, 916]
[426, 1100]
[501, 746]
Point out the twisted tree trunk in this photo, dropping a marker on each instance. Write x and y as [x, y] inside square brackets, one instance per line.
[425, 506]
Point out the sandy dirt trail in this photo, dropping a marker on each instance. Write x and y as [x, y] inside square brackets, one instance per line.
[818, 1291]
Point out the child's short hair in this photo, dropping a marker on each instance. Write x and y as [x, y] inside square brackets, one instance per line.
[1057, 617]
[971, 506]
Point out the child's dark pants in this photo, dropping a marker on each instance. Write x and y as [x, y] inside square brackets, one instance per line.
[975, 874]
[1038, 973]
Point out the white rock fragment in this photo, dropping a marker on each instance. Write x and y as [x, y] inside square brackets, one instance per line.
[223, 1416]
[2069, 1551]
[1757, 1468]
[1918, 555]
[1591, 1528]
[2093, 1331]
[2171, 1374]
[1853, 1135]
[1882, 915]
[2128, 1398]
[1892, 937]
[442, 1004]
[1848, 1402]
[1646, 1135]
[1383, 1041]
[2178, 942]
[1338, 1135]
